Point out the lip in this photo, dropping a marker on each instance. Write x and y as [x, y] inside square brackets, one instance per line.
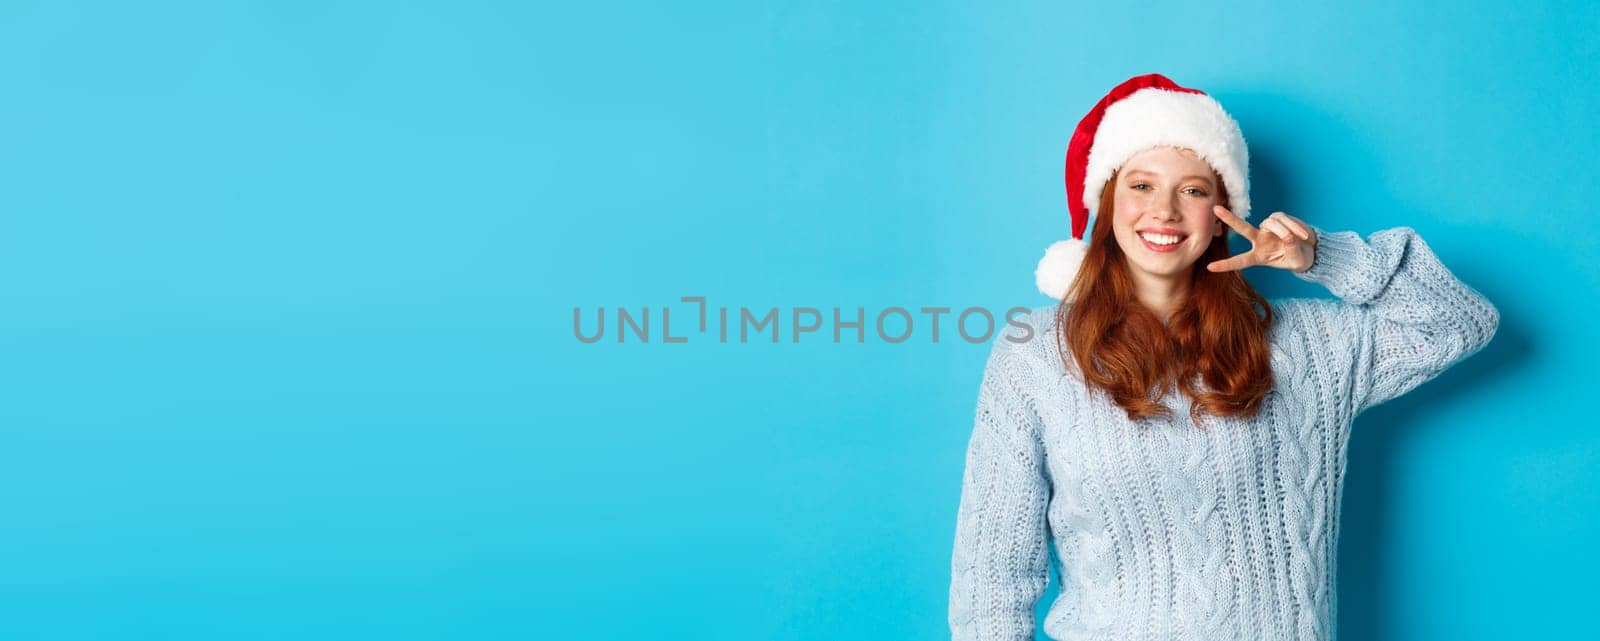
[1162, 249]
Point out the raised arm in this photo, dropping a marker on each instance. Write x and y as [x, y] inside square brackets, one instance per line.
[1000, 564]
[1407, 318]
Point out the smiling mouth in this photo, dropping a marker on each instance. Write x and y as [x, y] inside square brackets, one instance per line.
[1160, 240]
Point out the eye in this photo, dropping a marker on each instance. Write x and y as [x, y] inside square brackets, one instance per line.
[1137, 186]
[1196, 191]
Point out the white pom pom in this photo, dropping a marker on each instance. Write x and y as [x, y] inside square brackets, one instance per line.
[1059, 265]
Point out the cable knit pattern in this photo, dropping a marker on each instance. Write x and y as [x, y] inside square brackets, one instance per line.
[1162, 531]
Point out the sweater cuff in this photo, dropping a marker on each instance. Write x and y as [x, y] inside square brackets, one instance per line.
[1345, 265]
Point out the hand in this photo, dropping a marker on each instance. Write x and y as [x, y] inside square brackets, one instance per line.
[1283, 241]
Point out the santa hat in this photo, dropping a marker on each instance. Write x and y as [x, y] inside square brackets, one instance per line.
[1142, 112]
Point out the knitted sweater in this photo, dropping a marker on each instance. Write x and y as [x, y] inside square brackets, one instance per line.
[1162, 531]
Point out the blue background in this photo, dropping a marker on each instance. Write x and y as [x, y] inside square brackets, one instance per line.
[288, 290]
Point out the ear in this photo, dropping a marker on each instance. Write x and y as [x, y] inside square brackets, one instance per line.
[1217, 228]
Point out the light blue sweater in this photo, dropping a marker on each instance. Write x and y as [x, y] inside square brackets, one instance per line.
[1164, 531]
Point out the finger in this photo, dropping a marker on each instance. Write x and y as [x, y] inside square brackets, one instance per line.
[1238, 262]
[1276, 226]
[1299, 227]
[1238, 224]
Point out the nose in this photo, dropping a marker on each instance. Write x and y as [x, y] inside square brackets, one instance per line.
[1167, 211]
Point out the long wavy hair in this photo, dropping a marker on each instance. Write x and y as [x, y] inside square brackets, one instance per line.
[1218, 336]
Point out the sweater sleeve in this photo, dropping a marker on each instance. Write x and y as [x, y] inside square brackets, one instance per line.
[1000, 564]
[1406, 319]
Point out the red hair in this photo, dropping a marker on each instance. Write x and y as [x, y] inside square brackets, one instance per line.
[1217, 336]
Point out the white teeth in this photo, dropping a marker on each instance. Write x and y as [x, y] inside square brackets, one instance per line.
[1159, 239]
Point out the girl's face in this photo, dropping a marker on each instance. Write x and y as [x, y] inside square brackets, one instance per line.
[1163, 220]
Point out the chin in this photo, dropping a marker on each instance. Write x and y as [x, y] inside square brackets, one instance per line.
[1175, 267]
[1170, 270]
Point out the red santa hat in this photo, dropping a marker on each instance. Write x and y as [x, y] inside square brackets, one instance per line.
[1142, 112]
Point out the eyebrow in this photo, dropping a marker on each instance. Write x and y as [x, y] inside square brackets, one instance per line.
[1141, 171]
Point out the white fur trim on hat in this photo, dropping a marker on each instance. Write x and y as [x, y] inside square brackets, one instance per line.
[1151, 117]
[1059, 266]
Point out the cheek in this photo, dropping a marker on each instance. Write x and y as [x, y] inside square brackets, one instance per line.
[1205, 219]
[1125, 215]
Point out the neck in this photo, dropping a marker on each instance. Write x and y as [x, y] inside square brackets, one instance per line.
[1162, 294]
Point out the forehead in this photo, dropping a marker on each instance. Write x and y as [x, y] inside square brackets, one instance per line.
[1168, 161]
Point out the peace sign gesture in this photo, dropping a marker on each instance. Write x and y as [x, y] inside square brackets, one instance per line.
[1286, 244]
